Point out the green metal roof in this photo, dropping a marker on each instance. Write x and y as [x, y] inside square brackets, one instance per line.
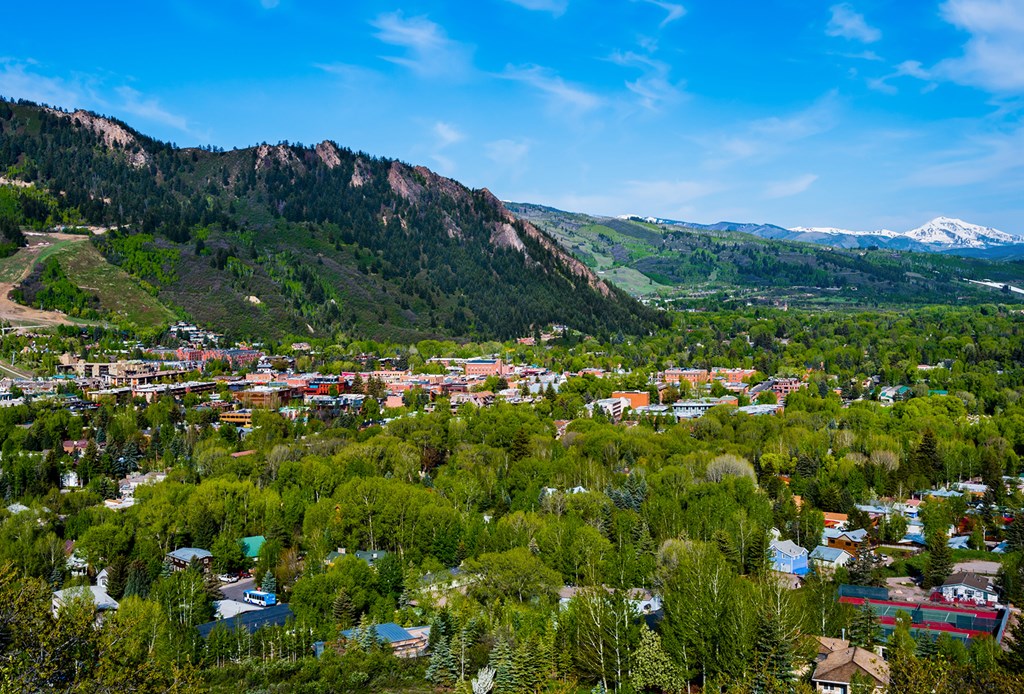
[253, 544]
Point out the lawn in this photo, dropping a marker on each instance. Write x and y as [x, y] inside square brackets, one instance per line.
[118, 292]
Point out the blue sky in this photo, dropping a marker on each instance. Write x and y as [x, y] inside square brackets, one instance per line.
[861, 114]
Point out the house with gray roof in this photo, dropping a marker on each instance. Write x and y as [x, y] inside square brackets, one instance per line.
[182, 558]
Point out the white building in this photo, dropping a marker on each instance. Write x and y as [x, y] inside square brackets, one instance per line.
[969, 587]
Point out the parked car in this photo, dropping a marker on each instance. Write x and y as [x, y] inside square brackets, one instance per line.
[228, 578]
[245, 574]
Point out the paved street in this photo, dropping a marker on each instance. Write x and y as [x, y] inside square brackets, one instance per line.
[233, 591]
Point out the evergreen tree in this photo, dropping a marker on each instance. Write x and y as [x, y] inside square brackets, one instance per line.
[523, 670]
[56, 579]
[138, 580]
[1015, 534]
[773, 654]
[939, 564]
[863, 570]
[269, 582]
[865, 630]
[501, 660]
[441, 671]
[926, 647]
[342, 609]
[725, 545]
[925, 459]
[117, 577]
[758, 559]
[366, 634]
[212, 586]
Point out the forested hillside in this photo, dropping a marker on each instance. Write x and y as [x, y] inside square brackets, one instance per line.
[648, 259]
[283, 239]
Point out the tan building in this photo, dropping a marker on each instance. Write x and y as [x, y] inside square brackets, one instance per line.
[693, 376]
[241, 418]
[483, 367]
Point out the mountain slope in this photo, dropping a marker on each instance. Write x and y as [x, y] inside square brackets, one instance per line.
[706, 264]
[279, 239]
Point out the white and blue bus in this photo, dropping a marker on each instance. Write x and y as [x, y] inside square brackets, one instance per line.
[258, 597]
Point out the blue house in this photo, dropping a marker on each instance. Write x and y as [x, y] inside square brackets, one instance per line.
[789, 557]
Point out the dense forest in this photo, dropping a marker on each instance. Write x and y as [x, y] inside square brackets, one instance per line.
[483, 496]
[288, 238]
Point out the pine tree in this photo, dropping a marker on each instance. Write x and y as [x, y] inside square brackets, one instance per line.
[864, 629]
[940, 560]
[117, 577]
[758, 558]
[56, 579]
[342, 609]
[442, 671]
[1015, 534]
[926, 647]
[366, 635]
[523, 671]
[773, 654]
[501, 661]
[212, 586]
[863, 569]
[138, 580]
[726, 547]
[269, 583]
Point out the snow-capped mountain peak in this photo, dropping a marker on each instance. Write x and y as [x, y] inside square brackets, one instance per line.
[948, 231]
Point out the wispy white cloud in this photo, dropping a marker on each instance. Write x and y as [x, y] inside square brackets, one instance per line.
[673, 11]
[788, 188]
[993, 57]
[847, 23]
[136, 104]
[270, 4]
[653, 87]
[908, 68]
[507, 152]
[444, 135]
[19, 79]
[429, 50]
[555, 7]
[561, 94]
[986, 158]
[24, 80]
[447, 134]
[765, 139]
[672, 193]
[509, 156]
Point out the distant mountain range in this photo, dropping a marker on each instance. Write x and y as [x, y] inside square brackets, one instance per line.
[940, 235]
[708, 264]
